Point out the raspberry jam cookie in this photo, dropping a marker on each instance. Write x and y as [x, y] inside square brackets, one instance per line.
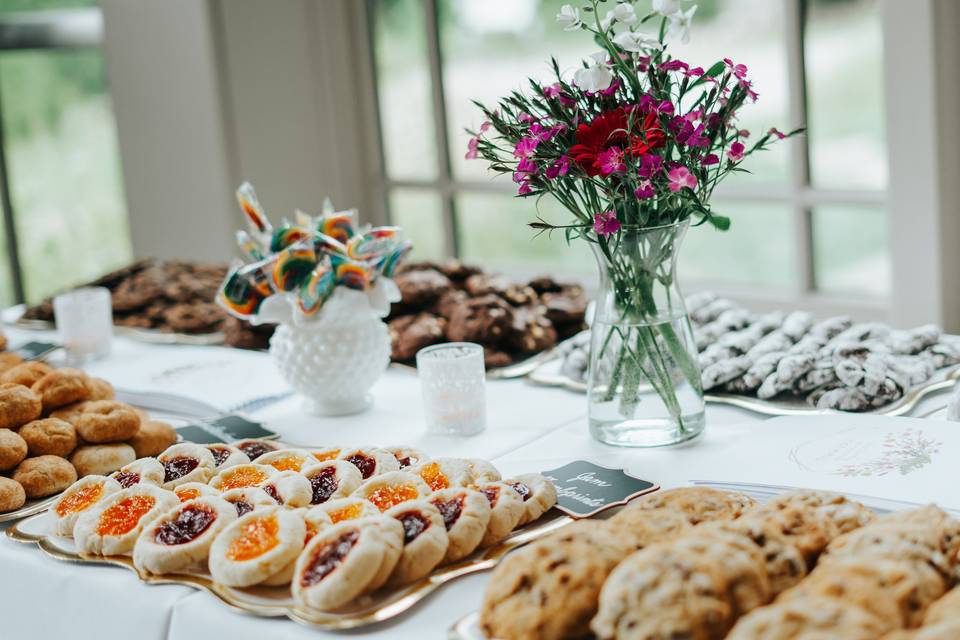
[425, 540]
[288, 460]
[390, 489]
[111, 527]
[182, 537]
[147, 470]
[18, 406]
[332, 479]
[506, 509]
[444, 473]
[107, 421]
[289, 489]
[193, 490]
[242, 475]
[225, 455]
[348, 509]
[408, 457]
[315, 520]
[482, 470]
[79, 497]
[256, 546]
[253, 448]
[186, 462]
[391, 532]
[371, 461]
[466, 514]
[247, 499]
[538, 494]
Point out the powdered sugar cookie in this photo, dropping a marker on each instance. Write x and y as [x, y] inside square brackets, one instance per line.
[111, 527]
[146, 470]
[425, 540]
[226, 455]
[370, 461]
[242, 475]
[348, 509]
[193, 490]
[182, 537]
[256, 546]
[443, 473]
[247, 499]
[186, 462]
[538, 494]
[390, 489]
[80, 496]
[288, 460]
[332, 479]
[466, 514]
[506, 509]
[289, 488]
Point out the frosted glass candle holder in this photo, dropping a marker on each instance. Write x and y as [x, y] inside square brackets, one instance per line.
[84, 320]
[453, 384]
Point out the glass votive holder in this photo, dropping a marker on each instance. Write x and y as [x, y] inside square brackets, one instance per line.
[84, 320]
[453, 384]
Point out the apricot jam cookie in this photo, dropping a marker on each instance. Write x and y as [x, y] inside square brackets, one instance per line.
[25, 374]
[289, 489]
[49, 436]
[111, 526]
[288, 459]
[370, 461]
[698, 504]
[61, 387]
[101, 459]
[193, 490]
[332, 479]
[107, 421]
[327, 453]
[18, 406]
[13, 449]
[153, 438]
[351, 508]
[254, 448]
[226, 455]
[538, 494]
[425, 540]
[181, 537]
[44, 475]
[12, 495]
[256, 546]
[466, 514]
[148, 470]
[247, 499]
[242, 475]
[390, 489]
[408, 456]
[506, 509]
[809, 618]
[80, 496]
[186, 462]
[443, 473]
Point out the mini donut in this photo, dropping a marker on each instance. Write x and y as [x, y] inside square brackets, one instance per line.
[153, 438]
[408, 456]
[148, 470]
[288, 459]
[482, 470]
[247, 499]
[111, 527]
[390, 489]
[328, 453]
[256, 546]
[8, 360]
[370, 461]
[18, 405]
[48, 436]
[538, 493]
[425, 540]
[61, 387]
[182, 537]
[194, 490]
[443, 473]
[101, 459]
[332, 479]
[12, 495]
[70, 413]
[466, 514]
[80, 496]
[227, 455]
[242, 475]
[26, 373]
[289, 489]
[186, 462]
[107, 421]
[254, 448]
[348, 509]
[13, 449]
[506, 510]
[44, 475]
[315, 520]
[100, 389]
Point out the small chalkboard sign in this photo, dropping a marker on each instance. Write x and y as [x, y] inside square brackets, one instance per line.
[584, 489]
[228, 428]
[36, 350]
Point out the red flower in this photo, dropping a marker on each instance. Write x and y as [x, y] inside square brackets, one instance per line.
[610, 129]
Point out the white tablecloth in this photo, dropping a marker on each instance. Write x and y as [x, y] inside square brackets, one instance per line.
[530, 429]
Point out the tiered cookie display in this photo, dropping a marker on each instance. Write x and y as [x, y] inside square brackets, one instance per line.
[453, 302]
[57, 425]
[326, 529]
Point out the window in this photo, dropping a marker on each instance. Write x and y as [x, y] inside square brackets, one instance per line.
[61, 190]
[810, 222]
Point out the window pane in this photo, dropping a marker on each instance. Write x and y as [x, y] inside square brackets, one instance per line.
[7, 297]
[844, 57]
[419, 212]
[64, 168]
[851, 250]
[403, 85]
[757, 250]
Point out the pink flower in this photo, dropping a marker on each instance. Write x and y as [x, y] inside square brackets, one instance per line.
[526, 165]
[524, 147]
[674, 65]
[735, 152]
[744, 133]
[606, 223]
[643, 63]
[526, 117]
[776, 132]
[645, 191]
[649, 105]
[694, 115]
[650, 164]
[553, 91]
[710, 159]
[484, 126]
[558, 168]
[696, 72]
[748, 85]
[543, 134]
[611, 161]
[739, 70]
[525, 188]
[472, 152]
[680, 178]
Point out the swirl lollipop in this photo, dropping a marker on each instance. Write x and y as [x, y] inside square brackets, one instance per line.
[293, 265]
[389, 263]
[374, 243]
[252, 209]
[317, 288]
[240, 294]
[286, 235]
[249, 246]
[354, 275]
[339, 226]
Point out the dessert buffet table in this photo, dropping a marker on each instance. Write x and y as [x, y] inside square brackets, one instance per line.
[529, 428]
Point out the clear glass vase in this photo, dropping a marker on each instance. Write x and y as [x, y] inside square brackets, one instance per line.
[644, 385]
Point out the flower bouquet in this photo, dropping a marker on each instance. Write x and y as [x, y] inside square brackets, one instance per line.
[632, 144]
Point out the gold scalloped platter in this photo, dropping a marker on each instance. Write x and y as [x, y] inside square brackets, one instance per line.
[276, 602]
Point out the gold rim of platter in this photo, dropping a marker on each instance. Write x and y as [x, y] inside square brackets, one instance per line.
[366, 611]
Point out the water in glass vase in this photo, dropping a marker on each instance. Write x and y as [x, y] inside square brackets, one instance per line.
[642, 390]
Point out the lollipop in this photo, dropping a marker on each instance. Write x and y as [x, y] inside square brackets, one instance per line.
[354, 275]
[293, 265]
[323, 243]
[286, 235]
[339, 225]
[391, 260]
[317, 288]
[240, 294]
[252, 209]
[249, 246]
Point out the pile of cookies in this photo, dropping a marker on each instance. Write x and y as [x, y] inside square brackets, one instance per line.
[706, 564]
[453, 302]
[57, 425]
[330, 524]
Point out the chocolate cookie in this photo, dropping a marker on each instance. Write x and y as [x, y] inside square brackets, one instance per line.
[137, 291]
[531, 331]
[486, 320]
[566, 306]
[201, 317]
[493, 359]
[243, 335]
[515, 294]
[449, 302]
[409, 334]
[420, 289]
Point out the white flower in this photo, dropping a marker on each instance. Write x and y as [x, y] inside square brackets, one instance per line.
[666, 7]
[680, 25]
[624, 13]
[596, 76]
[636, 41]
[569, 17]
